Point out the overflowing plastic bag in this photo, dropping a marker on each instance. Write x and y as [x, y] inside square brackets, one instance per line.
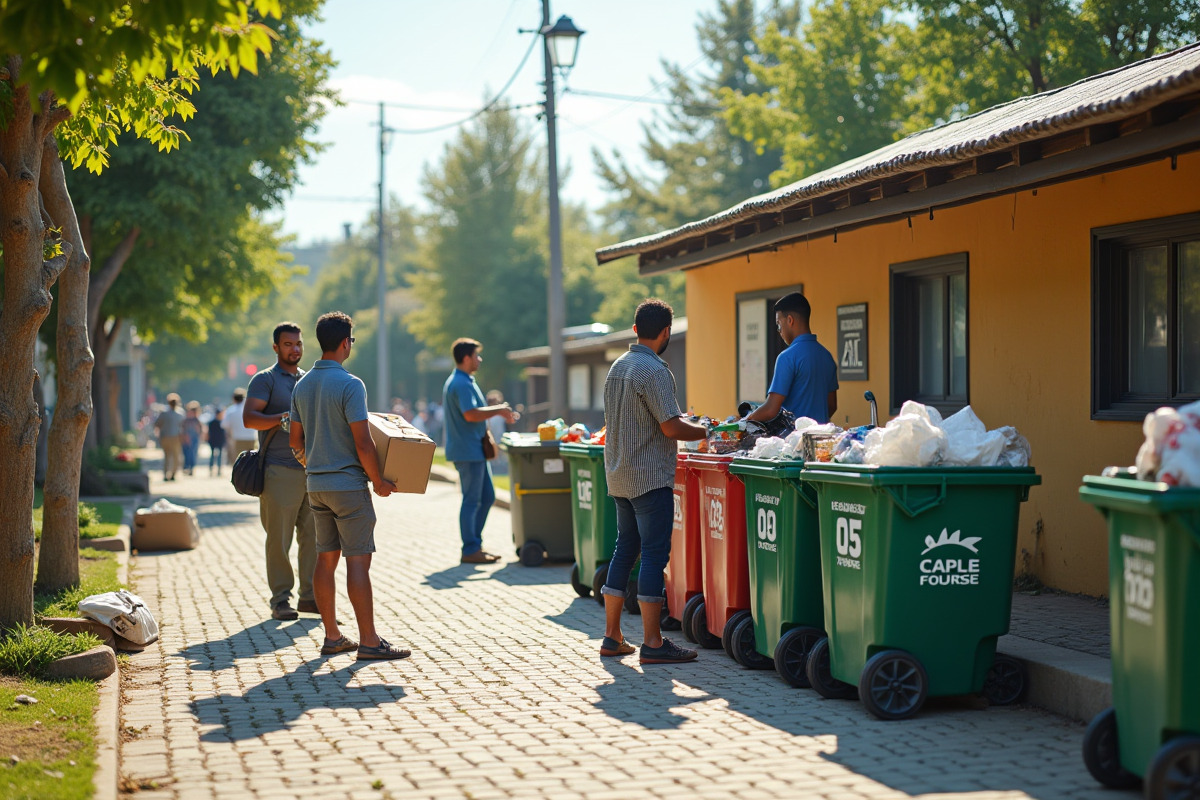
[968, 441]
[913, 439]
[1171, 452]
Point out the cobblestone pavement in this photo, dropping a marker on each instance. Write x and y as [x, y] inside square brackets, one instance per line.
[1075, 622]
[505, 694]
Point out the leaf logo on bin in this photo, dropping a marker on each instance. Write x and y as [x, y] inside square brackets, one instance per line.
[951, 538]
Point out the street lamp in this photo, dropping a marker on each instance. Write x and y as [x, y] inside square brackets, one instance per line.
[560, 43]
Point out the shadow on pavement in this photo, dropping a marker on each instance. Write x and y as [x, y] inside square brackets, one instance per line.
[513, 573]
[208, 508]
[453, 577]
[276, 703]
[265, 637]
[645, 698]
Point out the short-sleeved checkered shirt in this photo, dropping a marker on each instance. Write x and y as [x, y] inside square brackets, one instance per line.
[639, 394]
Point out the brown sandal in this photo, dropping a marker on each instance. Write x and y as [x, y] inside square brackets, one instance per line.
[342, 645]
[610, 647]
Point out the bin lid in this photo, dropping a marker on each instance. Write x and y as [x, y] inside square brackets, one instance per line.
[766, 467]
[581, 450]
[1130, 494]
[526, 441]
[709, 461]
[871, 475]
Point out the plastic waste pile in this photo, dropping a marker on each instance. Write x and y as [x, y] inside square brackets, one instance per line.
[558, 430]
[1171, 452]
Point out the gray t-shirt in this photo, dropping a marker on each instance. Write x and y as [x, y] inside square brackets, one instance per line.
[325, 401]
[169, 423]
[275, 385]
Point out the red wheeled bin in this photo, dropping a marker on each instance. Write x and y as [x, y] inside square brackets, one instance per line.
[685, 574]
[726, 600]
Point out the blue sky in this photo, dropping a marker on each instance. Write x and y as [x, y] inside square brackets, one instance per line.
[449, 54]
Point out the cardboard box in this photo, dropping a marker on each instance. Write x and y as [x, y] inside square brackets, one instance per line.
[405, 453]
[164, 530]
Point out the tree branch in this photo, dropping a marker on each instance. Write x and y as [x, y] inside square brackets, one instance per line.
[103, 280]
[111, 335]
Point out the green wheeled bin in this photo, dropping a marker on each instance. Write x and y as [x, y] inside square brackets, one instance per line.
[1153, 728]
[541, 501]
[783, 539]
[593, 519]
[917, 570]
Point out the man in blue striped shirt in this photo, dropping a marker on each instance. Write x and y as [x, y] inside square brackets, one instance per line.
[644, 423]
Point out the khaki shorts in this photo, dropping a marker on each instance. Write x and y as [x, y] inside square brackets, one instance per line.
[345, 521]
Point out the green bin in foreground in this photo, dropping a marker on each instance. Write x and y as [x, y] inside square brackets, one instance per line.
[917, 571]
[1153, 728]
[541, 499]
[782, 535]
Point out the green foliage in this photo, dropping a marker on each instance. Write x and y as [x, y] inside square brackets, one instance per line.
[481, 258]
[97, 574]
[699, 165]
[350, 279]
[28, 650]
[57, 754]
[95, 521]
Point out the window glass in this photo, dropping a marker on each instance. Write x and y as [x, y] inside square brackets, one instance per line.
[578, 394]
[930, 353]
[1148, 321]
[599, 376]
[958, 335]
[1188, 258]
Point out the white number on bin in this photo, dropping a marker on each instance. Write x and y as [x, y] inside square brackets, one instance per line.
[766, 524]
[716, 519]
[849, 542]
[585, 494]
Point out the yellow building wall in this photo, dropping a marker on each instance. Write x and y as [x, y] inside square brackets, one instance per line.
[1029, 334]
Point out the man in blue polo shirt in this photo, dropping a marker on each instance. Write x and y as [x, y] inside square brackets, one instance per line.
[805, 381]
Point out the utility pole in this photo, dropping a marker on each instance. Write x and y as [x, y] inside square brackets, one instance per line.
[383, 399]
[555, 301]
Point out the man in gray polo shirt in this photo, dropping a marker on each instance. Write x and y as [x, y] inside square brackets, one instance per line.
[283, 506]
[644, 423]
[329, 429]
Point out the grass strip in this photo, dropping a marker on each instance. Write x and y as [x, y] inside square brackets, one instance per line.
[97, 574]
[54, 741]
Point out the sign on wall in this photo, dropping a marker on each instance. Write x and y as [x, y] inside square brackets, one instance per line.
[852, 342]
[752, 349]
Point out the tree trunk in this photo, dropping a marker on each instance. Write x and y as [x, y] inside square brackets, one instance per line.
[58, 561]
[100, 433]
[28, 276]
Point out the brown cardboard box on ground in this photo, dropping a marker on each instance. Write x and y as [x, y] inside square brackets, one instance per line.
[405, 453]
[174, 529]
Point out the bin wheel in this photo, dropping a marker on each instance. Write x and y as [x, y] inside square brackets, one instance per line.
[598, 579]
[1101, 752]
[689, 611]
[893, 685]
[820, 674]
[700, 634]
[1174, 772]
[1006, 681]
[744, 650]
[727, 632]
[579, 586]
[533, 554]
[791, 655]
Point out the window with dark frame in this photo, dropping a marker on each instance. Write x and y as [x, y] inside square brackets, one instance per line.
[929, 333]
[772, 341]
[1145, 316]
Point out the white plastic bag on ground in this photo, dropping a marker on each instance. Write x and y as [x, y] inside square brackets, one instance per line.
[912, 439]
[124, 612]
[1171, 452]
[968, 442]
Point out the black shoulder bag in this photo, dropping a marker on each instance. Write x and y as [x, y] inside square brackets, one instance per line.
[250, 468]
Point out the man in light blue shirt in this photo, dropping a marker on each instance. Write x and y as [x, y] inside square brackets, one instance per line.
[466, 416]
[330, 436]
[805, 381]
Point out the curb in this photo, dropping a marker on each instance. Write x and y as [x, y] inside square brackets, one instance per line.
[108, 715]
[1067, 682]
[120, 542]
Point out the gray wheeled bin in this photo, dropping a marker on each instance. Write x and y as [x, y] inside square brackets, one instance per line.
[541, 499]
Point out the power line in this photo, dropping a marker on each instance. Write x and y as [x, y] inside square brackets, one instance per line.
[642, 99]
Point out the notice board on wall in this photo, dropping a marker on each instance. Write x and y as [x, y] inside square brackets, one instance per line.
[852, 342]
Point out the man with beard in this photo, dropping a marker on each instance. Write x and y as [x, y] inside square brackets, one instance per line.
[644, 423]
[283, 506]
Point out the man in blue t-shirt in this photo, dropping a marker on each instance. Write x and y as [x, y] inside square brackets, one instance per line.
[805, 380]
[466, 416]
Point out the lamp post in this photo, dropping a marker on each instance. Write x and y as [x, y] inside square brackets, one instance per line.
[560, 44]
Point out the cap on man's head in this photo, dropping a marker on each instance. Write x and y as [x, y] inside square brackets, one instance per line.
[239, 394]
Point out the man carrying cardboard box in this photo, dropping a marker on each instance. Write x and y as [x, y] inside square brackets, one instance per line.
[328, 422]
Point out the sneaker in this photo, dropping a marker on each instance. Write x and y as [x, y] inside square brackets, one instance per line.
[384, 652]
[480, 557]
[284, 612]
[611, 647]
[669, 653]
[307, 607]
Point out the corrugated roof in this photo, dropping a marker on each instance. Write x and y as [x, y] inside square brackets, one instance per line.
[1107, 97]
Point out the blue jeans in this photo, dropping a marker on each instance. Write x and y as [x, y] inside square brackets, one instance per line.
[190, 448]
[643, 526]
[475, 478]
